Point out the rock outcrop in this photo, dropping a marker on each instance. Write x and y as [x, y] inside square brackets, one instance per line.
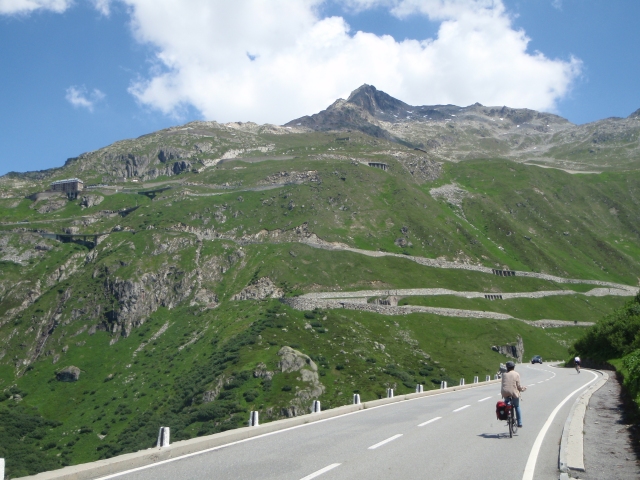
[91, 200]
[294, 361]
[69, 374]
[261, 289]
[514, 351]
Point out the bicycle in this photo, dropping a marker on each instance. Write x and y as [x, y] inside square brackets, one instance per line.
[512, 422]
[578, 367]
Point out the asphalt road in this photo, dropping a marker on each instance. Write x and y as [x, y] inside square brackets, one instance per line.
[449, 436]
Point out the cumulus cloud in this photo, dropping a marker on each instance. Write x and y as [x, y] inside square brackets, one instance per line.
[80, 97]
[302, 62]
[275, 60]
[27, 6]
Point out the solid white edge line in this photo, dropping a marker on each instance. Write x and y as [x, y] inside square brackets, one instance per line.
[429, 421]
[379, 444]
[486, 398]
[212, 449]
[321, 471]
[530, 467]
[461, 408]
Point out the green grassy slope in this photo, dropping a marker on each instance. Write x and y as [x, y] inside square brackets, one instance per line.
[147, 315]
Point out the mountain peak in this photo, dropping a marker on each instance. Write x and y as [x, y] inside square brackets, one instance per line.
[371, 99]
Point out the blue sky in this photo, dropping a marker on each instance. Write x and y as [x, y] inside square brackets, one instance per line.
[76, 78]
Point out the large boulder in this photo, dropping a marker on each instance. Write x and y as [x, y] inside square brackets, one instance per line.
[69, 374]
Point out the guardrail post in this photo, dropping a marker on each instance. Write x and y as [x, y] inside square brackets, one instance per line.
[356, 399]
[1, 468]
[164, 436]
[419, 388]
[475, 379]
[462, 381]
[443, 384]
[495, 377]
[316, 406]
[254, 419]
[488, 379]
[389, 392]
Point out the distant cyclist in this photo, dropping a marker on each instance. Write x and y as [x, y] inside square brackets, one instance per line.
[576, 361]
[511, 389]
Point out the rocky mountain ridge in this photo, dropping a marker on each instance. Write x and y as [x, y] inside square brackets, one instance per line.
[447, 133]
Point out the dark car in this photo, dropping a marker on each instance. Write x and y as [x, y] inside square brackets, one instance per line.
[537, 359]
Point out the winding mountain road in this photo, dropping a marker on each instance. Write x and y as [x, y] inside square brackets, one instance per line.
[453, 435]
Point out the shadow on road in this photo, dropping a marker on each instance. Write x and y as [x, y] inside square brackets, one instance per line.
[495, 436]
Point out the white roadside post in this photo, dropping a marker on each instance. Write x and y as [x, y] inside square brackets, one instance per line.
[475, 379]
[488, 378]
[316, 406]
[356, 399]
[495, 377]
[462, 381]
[389, 392]
[443, 385]
[1, 468]
[419, 388]
[253, 419]
[164, 437]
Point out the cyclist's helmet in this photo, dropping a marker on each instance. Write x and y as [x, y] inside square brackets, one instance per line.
[511, 365]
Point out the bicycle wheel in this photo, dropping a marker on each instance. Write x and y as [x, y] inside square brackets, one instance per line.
[511, 424]
[514, 424]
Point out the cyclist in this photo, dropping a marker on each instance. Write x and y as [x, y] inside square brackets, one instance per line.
[576, 361]
[511, 388]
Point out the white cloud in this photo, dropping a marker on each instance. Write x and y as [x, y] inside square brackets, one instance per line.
[79, 97]
[27, 6]
[303, 62]
[275, 60]
[103, 6]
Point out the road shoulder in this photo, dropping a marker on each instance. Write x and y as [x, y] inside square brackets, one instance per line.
[608, 449]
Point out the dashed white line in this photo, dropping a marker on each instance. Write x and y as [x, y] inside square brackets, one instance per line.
[541, 381]
[485, 398]
[390, 439]
[532, 385]
[461, 408]
[429, 421]
[321, 471]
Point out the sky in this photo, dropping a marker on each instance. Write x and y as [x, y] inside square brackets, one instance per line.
[77, 75]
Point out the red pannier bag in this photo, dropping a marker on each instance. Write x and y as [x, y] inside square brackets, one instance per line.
[502, 410]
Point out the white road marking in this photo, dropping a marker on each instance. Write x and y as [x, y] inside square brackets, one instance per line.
[532, 385]
[535, 450]
[390, 439]
[541, 381]
[429, 421]
[321, 471]
[486, 398]
[461, 408]
[276, 432]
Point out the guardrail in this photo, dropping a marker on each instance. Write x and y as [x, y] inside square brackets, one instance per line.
[168, 451]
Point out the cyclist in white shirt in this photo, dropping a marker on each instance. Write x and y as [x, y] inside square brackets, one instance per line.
[576, 361]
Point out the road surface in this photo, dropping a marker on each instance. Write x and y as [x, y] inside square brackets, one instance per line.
[453, 435]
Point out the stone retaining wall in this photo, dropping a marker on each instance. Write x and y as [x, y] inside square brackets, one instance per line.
[427, 292]
[300, 303]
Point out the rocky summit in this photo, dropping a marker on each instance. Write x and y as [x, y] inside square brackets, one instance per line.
[195, 274]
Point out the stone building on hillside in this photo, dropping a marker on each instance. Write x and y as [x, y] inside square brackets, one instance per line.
[69, 186]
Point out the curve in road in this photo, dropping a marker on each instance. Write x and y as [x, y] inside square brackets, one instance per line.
[447, 436]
